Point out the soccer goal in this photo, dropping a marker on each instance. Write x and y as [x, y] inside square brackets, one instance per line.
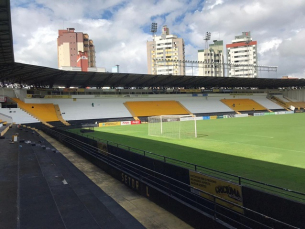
[173, 126]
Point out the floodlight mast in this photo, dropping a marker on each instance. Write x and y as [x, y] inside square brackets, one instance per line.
[153, 29]
[207, 38]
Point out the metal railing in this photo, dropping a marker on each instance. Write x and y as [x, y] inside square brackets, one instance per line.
[176, 189]
[273, 189]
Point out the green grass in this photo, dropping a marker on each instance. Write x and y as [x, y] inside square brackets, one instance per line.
[269, 149]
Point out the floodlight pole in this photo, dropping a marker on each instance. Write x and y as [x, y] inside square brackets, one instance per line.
[153, 30]
[207, 38]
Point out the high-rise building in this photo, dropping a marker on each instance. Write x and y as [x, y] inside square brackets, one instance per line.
[169, 48]
[70, 43]
[243, 52]
[211, 60]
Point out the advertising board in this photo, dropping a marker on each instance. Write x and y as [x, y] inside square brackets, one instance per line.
[103, 124]
[280, 112]
[124, 123]
[241, 115]
[258, 114]
[220, 188]
[190, 90]
[186, 118]
[135, 122]
[57, 96]
[269, 113]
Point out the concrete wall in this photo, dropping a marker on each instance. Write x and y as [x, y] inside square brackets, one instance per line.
[17, 115]
[295, 95]
[20, 93]
[9, 92]
[6, 118]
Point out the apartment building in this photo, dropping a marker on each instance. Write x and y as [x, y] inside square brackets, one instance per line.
[242, 53]
[165, 54]
[211, 60]
[69, 44]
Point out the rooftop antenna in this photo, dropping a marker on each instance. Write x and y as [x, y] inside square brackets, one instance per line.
[207, 38]
[153, 29]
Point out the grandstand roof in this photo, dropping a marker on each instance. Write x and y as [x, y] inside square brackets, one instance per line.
[12, 72]
[44, 76]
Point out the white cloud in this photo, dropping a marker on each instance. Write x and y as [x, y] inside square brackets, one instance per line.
[211, 4]
[120, 28]
[268, 45]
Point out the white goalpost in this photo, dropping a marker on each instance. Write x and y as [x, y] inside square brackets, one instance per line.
[173, 126]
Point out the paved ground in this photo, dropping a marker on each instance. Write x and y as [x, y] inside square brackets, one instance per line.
[40, 188]
[146, 212]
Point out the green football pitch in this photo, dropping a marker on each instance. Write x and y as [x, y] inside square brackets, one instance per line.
[269, 149]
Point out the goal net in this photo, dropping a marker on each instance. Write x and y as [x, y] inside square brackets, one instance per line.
[173, 126]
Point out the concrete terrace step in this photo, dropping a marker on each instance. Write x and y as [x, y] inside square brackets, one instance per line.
[53, 193]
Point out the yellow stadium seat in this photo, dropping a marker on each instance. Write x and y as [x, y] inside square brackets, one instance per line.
[243, 105]
[153, 108]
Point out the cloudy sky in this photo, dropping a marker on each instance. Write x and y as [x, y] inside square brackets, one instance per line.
[121, 28]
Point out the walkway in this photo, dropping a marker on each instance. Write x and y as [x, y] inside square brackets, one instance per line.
[40, 188]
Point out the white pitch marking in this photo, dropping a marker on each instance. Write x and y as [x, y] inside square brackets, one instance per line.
[259, 136]
[256, 145]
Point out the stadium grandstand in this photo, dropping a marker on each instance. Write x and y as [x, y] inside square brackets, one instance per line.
[241, 170]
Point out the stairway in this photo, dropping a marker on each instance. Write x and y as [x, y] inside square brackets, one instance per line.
[60, 118]
[279, 102]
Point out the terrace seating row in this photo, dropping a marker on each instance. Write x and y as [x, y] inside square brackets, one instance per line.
[43, 112]
[280, 101]
[243, 104]
[153, 108]
[113, 107]
[103, 108]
